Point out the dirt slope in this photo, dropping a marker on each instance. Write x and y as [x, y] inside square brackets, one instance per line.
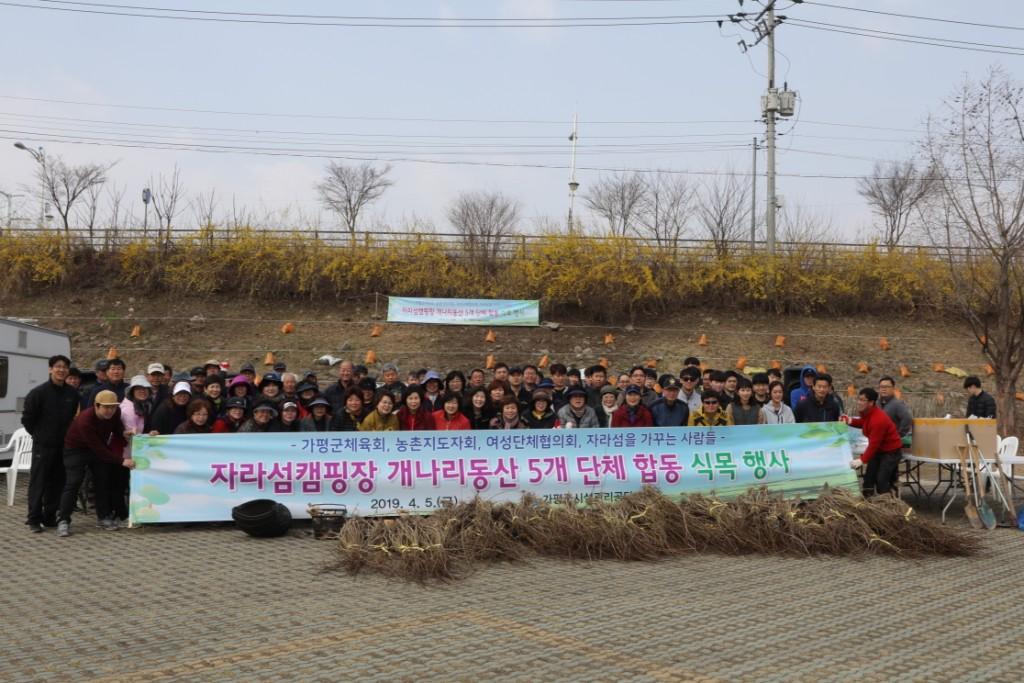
[184, 333]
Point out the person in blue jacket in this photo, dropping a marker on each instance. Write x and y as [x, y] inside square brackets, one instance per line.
[805, 389]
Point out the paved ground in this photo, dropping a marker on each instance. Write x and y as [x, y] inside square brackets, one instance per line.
[206, 603]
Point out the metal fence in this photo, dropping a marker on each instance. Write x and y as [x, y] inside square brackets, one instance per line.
[458, 246]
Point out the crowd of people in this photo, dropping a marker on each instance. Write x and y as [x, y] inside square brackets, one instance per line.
[78, 429]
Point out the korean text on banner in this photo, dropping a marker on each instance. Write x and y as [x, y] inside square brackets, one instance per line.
[493, 312]
[190, 478]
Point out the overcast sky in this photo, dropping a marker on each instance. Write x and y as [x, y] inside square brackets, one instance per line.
[482, 107]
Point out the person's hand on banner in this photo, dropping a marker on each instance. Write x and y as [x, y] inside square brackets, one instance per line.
[855, 463]
[129, 463]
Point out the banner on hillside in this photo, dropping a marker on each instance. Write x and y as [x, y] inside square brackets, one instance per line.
[192, 478]
[494, 312]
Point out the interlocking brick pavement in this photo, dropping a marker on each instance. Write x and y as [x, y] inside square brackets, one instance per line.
[207, 603]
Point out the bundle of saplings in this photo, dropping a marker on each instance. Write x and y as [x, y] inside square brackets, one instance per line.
[642, 526]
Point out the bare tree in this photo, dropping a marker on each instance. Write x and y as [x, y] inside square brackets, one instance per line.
[487, 220]
[723, 209]
[204, 209]
[976, 146]
[798, 225]
[666, 208]
[893, 191]
[617, 199]
[64, 184]
[116, 215]
[348, 189]
[241, 216]
[90, 209]
[167, 195]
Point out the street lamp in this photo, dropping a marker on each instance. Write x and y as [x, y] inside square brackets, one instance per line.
[40, 156]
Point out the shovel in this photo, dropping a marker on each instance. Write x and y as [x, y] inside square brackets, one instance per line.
[969, 508]
[988, 518]
[1009, 513]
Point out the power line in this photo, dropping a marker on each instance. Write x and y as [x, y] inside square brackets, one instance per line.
[261, 131]
[798, 24]
[911, 35]
[275, 15]
[316, 154]
[552, 122]
[416, 119]
[913, 16]
[150, 13]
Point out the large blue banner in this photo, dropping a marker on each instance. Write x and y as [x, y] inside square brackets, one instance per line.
[191, 478]
[493, 312]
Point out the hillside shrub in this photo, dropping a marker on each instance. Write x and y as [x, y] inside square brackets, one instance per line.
[609, 278]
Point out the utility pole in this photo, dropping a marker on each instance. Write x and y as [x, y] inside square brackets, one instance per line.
[147, 196]
[573, 185]
[753, 201]
[769, 115]
[774, 102]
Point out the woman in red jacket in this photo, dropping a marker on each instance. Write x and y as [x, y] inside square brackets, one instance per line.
[414, 416]
[885, 447]
[632, 413]
[450, 417]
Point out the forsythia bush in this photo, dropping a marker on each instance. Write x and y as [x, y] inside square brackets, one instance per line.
[606, 277]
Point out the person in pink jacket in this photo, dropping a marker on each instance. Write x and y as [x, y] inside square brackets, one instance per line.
[135, 408]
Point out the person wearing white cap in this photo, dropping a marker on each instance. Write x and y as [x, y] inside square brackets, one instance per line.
[159, 391]
[171, 413]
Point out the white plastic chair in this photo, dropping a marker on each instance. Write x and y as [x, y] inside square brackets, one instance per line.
[21, 444]
[1008, 456]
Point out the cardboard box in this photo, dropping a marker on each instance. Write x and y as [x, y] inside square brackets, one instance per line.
[938, 437]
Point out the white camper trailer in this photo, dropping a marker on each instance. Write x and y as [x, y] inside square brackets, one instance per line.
[24, 351]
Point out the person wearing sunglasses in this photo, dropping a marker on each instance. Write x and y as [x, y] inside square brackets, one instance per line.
[690, 391]
[711, 413]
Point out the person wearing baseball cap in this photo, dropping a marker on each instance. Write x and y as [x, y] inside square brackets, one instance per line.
[114, 382]
[248, 370]
[633, 413]
[668, 410]
[288, 419]
[172, 412]
[158, 378]
[233, 417]
[95, 442]
[280, 366]
[212, 367]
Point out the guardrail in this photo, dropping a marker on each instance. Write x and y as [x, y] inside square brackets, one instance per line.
[458, 245]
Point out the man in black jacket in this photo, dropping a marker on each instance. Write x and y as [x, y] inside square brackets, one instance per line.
[49, 410]
[980, 403]
[114, 382]
[821, 405]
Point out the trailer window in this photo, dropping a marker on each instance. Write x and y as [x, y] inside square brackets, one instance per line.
[3, 376]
